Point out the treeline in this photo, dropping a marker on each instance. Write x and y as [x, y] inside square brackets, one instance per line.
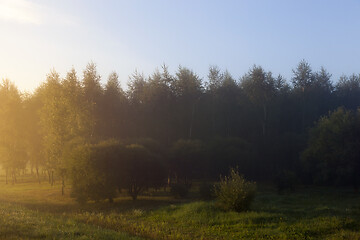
[197, 128]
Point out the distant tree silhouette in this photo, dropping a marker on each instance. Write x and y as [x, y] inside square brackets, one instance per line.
[259, 122]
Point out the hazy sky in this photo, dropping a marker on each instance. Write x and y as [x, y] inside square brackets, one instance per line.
[36, 36]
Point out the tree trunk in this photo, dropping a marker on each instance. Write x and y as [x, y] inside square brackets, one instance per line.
[37, 174]
[303, 111]
[213, 117]
[168, 181]
[6, 176]
[48, 171]
[63, 185]
[227, 125]
[134, 190]
[265, 120]
[13, 177]
[52, 177]
[192, 121]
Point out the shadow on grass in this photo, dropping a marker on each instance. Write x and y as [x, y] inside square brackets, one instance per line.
[120, 205]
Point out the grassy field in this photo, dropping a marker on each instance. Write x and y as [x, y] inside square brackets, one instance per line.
[33, 211]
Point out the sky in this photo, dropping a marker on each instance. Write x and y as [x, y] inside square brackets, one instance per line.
[123, 36]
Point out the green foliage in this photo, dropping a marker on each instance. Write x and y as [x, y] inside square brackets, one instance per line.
[333, 151]
[303, 76]
[259, 85]
[63, 116]
[13, 155]
[260, 89]
[270, 116]
[91, 172]
[155, 165]
[234, 192]
[97, 170]
[134, 169]
[187, 84]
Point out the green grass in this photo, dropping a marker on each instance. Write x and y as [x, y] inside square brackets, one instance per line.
[308, 213]
[17, 222]
[38, 211]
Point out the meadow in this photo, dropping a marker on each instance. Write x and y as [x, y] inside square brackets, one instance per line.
[29, 210]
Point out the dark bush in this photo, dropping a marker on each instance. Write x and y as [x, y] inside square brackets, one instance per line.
[207, 191]
[186, 159]
[134, 169]
[90, 172]
[234, 192]
[286, 181]
[98, 170]
[179, 190]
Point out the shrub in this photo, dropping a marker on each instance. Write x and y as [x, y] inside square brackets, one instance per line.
[234, 192]
[89, 171]
[139, 169]
[206, 191]
[98, 170]
[179, 190]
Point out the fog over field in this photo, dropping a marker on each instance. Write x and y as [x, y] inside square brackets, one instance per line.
[179, 120]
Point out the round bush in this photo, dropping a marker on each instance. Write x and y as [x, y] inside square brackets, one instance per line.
[234, 192]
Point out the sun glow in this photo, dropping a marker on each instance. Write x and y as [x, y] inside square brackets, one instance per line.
[20, 11]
